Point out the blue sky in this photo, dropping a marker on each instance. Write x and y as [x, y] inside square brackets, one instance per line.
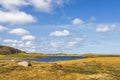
[61, 26]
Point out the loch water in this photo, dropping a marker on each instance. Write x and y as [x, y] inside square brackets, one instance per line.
[57, 58]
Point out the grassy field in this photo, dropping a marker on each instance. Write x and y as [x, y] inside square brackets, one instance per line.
[103, 68]
[22, 55]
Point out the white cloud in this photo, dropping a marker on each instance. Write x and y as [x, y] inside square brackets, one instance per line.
[56, 44]
[9, 41]
[23, 45]
[16, 17]
[47, 5]
[19, 32]
[12, 4]
[2, 28]
[74, 42]
[77, 21]
[28, 43]
[48, 45]
[105, 28]
[28, 37]
[63, 45]
[60, 33]
[41, 5]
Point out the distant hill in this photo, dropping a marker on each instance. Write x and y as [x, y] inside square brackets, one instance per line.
[63, 54]
[91, 55]
[9, 50]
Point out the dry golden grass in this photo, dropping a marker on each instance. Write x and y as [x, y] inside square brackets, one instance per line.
[84, 69]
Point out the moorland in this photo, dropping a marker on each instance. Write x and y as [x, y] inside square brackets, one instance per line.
[91, 67]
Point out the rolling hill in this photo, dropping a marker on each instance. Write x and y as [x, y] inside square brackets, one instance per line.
[8, 50]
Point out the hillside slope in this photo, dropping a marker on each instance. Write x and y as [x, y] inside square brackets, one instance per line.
[8, 50]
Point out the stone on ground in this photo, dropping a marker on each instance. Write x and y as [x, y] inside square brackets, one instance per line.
[25, 63]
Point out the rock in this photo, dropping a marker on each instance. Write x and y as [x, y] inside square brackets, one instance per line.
[25, 63]
[12, 60]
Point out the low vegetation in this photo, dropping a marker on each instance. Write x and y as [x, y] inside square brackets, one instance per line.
[102, 68]
[22, 55]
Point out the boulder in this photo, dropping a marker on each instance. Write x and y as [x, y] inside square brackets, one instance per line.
[25, 63]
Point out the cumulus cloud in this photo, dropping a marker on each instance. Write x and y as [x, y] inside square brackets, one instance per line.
[11, 41]
[105, 28]
[12, 4]
[62, 45]
[69, 44]
[74, 42]
[60, 33]
[2, 28]
[41, 5]
[56, 44]
[28, 37]
[47, 5]
[77, 21]
[19, 32]
[23, 45]
[10, 9]
[28, 43]
[48, 45]
[16, 17]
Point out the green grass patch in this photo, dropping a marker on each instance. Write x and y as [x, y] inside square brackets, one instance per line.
[22, 55]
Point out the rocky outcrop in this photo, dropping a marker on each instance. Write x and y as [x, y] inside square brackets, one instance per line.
[9, 50]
